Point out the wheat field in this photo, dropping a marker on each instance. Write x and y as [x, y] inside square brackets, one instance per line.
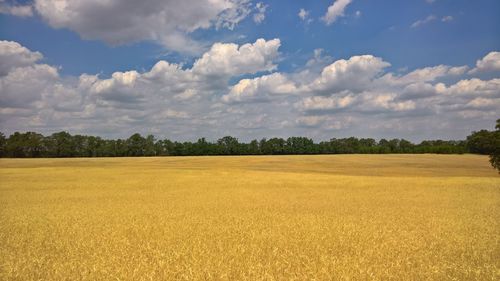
[341, 217]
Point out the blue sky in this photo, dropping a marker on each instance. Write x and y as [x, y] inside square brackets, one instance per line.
[338, 68]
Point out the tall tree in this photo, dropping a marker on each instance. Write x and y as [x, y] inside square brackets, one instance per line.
[29, 144]
[3, 143]
[149, 146]
[61, 145]
[480, 142]
[272, 146]
[495, 153]
[136, 145]
[229, 145]
[299, 145]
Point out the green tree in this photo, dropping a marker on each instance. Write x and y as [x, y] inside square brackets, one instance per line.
[136, 145]
[3, 143]
[33, 144]
[29, 144]
[273, 146]
[495, 153]
[384, 146]
[405, 146]
[367, 145]
[299, 145]
[480, 142]
[253, 147]
[60, 145]
[149, 146]
[229, 145]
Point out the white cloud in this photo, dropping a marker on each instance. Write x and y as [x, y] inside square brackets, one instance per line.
[368, 102]
[421, 22]
[354, 96]
[323, 122]
[373, 101]
[484, 103]
[474, 87]
[186, 95]
[303, 14]
[126, 99]
[233, 60]
[490, 63]
[418, 90]
[320, 103]
[260, 15]
[260, 88]
[335, 11]
[12, 54]
[119, 88]
[236, 11]
[166, 22]
[354, 74]
[253, 123]
[16, 10]
[447, 19]
[310, 121]
[23, 86]
[426, 74]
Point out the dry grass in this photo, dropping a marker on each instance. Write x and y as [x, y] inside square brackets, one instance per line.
[379, 217]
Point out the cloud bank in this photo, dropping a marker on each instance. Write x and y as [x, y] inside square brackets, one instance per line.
[238, 90]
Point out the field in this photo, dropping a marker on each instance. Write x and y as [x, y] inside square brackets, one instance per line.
[341, 217]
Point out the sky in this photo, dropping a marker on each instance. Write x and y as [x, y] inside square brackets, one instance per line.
[416, 69]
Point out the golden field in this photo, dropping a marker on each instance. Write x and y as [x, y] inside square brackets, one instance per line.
[341, 217]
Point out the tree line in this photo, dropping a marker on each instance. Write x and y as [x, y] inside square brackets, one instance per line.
[63, 144]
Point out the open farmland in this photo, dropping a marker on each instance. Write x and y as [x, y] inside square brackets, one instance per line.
[341, 217]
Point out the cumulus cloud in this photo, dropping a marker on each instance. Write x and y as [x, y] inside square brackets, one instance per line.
[12, 54]
[360, 88]
[127, 99]
[260, 88]
[335, 11]
[23, 86]
[354, 74]
[166, 22]
[473, 87]
[367, 102]
[483, 103]
[426, 74]
[418, 90]
[490, 63]
[351, 96]
[383, 102]
[233, 60]
[320, 103]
